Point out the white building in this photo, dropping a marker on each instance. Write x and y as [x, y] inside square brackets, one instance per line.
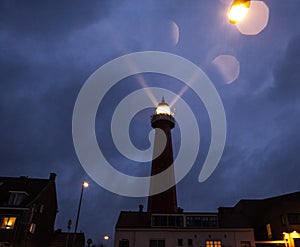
[144, 229]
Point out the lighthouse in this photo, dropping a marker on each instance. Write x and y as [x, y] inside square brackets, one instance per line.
[163, 122]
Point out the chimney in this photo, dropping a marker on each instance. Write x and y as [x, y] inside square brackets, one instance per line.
[52, 176]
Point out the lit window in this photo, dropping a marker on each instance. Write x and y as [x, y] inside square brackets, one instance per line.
[157, 243]
[16, 197]
[213, 243]
[269, 230]
[8, 222]
[245, 244]
[209, 243]
[32, 228]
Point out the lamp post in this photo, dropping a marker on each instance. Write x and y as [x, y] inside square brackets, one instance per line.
[84, 185]
[106, 238]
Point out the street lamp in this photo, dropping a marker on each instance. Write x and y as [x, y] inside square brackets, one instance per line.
[106, 238]
[238, 10]
[83, 185]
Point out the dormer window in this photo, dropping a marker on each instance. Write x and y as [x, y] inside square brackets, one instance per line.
[16, 197]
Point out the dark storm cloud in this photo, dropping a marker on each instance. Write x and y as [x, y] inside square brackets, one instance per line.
[287, 74]
[263, 138]
[49, 19]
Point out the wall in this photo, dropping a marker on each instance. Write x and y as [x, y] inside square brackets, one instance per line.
[228, 237]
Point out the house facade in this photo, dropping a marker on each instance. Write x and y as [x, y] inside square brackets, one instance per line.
[136, 229]
[275, 220]
[28, 208]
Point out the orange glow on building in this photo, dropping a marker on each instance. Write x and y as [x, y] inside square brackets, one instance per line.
[290, 238]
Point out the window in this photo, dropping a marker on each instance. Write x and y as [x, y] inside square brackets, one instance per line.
[294, 219]
[8, 222]
[179, 241]
[124, 243]
[26, 217]
[202, 221]
[245, 244]
[32, 228]
[190, 242]
[167, 220]
[157, 243]
[282, 220]
[16, 197]
[269, 231]
[213, 243]
[41, 208]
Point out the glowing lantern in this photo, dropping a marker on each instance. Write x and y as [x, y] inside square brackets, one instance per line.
[238, 10]
[163, 108]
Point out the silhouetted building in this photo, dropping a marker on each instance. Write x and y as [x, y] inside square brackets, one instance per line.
[28, 208]
[67, 239]
[276, 220]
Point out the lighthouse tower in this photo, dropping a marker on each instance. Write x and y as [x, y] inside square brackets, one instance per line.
[163, 121]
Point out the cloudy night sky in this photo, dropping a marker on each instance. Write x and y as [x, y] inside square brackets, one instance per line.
[48, 49]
